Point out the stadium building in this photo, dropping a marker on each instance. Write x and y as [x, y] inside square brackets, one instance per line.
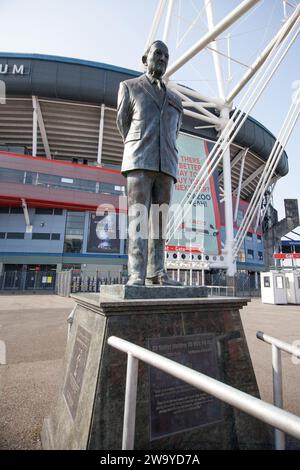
[60, 158]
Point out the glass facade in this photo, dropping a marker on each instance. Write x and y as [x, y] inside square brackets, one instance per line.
[54, 181]
[74, 232]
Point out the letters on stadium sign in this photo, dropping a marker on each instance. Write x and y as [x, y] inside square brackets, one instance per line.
[14, 69]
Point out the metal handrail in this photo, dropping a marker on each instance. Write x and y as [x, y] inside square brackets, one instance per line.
[286, 347]
[70, 321]
[277, 347]
[266, 412]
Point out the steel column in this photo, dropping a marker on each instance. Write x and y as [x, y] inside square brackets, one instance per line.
[168, 21]
[40, 120]
[155, 24]
[215, 49]
[101, 132]
[34, 131]
[231, 264]
[277, 393]
[224, 24]
[130, 403]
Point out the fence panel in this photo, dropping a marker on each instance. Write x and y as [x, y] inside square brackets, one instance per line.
[28, 281]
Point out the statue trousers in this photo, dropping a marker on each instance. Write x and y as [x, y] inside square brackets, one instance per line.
[148, 195]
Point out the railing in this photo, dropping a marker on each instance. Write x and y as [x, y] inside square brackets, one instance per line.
[245, 286]
[277, 347]
[63, 284]
[227, 291]
[270, 414]
[27, 281]
[71, 282]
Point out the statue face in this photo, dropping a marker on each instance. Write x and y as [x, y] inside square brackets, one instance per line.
[157, 60]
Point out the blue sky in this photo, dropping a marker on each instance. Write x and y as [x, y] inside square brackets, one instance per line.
[116, 31]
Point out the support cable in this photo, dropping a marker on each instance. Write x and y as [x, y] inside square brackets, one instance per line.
[256, 207]
[264, 182]
[272, 162]
[237, 120]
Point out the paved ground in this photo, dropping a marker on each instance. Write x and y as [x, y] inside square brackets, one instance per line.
[34, 330]
[282, 322]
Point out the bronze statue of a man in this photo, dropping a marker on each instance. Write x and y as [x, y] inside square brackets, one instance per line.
[149, 119]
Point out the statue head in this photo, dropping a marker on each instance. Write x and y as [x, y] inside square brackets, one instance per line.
[156, 59]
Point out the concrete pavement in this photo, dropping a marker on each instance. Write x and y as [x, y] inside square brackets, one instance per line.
[34, 330]
[282, 322]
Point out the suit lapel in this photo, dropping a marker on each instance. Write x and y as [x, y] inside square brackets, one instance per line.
[148, 88]
[167, 96]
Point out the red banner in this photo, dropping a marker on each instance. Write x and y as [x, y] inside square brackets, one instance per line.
[286, 255]
[184, 249]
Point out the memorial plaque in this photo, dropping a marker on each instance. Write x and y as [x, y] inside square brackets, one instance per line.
[76, 370]
[174, 405]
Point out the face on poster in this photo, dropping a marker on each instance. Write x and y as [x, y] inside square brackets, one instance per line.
[104, 233]
[200, 227]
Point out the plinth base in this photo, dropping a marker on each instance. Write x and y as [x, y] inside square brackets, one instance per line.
[153, 292]
[205, 334]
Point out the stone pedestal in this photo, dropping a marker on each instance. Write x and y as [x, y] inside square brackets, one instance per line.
[203, 333]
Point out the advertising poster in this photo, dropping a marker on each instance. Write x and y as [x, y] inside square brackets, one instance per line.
[103, 236]
[199, 231]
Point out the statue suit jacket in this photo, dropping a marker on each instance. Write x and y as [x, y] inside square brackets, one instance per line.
[149, 128]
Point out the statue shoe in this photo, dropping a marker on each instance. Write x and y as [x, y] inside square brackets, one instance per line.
[161, 279]
[135, 281]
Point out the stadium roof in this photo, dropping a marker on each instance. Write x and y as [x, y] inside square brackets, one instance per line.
[70, 94]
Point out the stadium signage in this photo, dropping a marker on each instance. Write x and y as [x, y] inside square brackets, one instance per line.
[290, 242]
[14, 69]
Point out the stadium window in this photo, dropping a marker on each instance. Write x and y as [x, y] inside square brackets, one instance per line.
[260, 256]
[40, 236]
[259, 239]
[109, 188]
[249, 236]
[15, 235]
[250, 254]
[11, 176]
[16, 210]
[58, 211]
[2, 234]
[74, 232]
[55, 236]
[4, 210]
[43, 211]
[30, 177]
